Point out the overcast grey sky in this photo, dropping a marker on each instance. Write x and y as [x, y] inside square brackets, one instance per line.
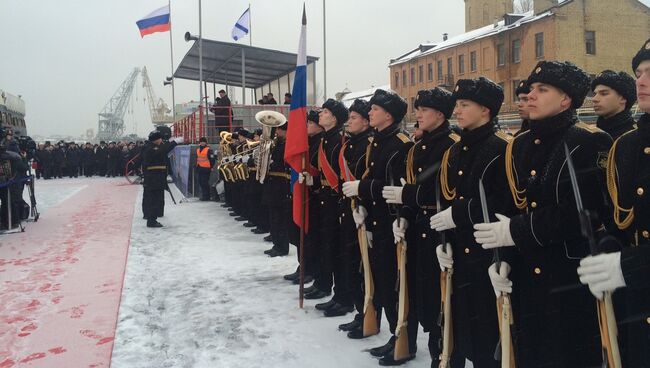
[67, 57]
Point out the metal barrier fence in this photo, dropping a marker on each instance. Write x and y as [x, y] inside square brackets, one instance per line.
[202, 123]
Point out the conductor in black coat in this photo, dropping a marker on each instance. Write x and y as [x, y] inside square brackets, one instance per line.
[154, 164]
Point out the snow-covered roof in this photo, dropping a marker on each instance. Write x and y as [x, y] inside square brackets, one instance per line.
[349, 98]
[476, 34]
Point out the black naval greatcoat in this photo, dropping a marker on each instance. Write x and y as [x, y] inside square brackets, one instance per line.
[386, 156]
[328, 216]
[312, 237]
[154, 167]
[628, 176]
[555, 315]
[419, 204]
[478, 155]
[354, 154]
[276, 195]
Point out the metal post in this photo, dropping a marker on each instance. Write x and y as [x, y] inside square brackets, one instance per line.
[250, 25]
[243, 76]
[200, 59]
[324, 56]
[171, 55]
[313, 82]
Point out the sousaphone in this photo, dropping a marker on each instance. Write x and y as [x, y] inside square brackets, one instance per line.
[269, 119]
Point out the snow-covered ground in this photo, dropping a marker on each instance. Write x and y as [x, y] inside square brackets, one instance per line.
[200, 293]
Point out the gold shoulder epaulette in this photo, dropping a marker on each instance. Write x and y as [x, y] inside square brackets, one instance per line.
[591, 128]
[455, 137]
[505, 136]
[403, 137]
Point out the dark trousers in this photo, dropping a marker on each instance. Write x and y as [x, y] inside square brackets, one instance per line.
[153, 203]
[88, 170]
[383, 263]
[14, 206]
[350, 289]
[329, 247]
[204, 182]
[278, 221]
[57, 171]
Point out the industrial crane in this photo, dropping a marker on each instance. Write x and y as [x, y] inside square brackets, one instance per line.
[157, 107]
[111, 118]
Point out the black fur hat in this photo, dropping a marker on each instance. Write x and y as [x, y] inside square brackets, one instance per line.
[621, 82]
[523, 87]
[436, 98]
[390, 101]
[361, 107]
[482, 91]
[565, 76]
[245, 133]
[339, 110]
[312, 115]
[642, 55]
[153, 136]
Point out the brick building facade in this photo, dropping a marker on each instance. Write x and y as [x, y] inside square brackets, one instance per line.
[594, 34]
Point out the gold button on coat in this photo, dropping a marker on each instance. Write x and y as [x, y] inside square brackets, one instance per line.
[419, 169]
[424, 235]
[646, 150]
[537, 270]
[374, 223]
[460, 172]
[424, 147]
[639, 191]
[465, 148]
[533, 204]
[374, 144]
[538, 141]
[645, 234]
[533, 172]
[466, 250]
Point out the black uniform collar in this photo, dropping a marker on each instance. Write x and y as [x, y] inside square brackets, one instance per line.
[356, 138]
[316, 137]
[644, 126]
[616, 123]
[553, 125]
[332, 133]
[387, 132]
[471, 137]
[442, 130]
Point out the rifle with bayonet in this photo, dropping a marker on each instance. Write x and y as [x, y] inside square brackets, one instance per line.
[444, 319]
[605, 308]
[370, 323]
[504, 308]
[401, 350]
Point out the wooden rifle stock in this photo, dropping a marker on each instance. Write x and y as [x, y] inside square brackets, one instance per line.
[370, 324]
[504, 309]
[445, 320]
[401, 350]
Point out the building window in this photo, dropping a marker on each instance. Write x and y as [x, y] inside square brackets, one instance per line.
[590, 42]
[420, 73]
[412, 76]
[461, 64]
[404, 78]
[430, 71]
[501, 55]
[396, 79]
[440, 70]
[515, 85]
[539, 45]
[450, 66]
[516, 51]
[472, 61]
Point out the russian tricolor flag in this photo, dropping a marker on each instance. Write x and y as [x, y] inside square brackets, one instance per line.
[156, 21]
[297, 146]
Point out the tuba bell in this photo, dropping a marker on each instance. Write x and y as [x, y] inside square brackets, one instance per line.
[269, 119]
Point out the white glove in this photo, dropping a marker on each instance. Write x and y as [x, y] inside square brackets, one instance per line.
[178, 140]
[442, 220]
[393, 194]
[400, 230]
[351, 188]
[499, 279]
[305, 175]
[602, 273]
[359, 215]
[494, 234]
[445, 258]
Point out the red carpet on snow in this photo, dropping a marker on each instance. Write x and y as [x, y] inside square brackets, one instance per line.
[61, 280]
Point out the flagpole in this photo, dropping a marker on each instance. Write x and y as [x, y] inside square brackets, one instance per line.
[171, 56]
[200, 64]
[250, 25]
[324, 55]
